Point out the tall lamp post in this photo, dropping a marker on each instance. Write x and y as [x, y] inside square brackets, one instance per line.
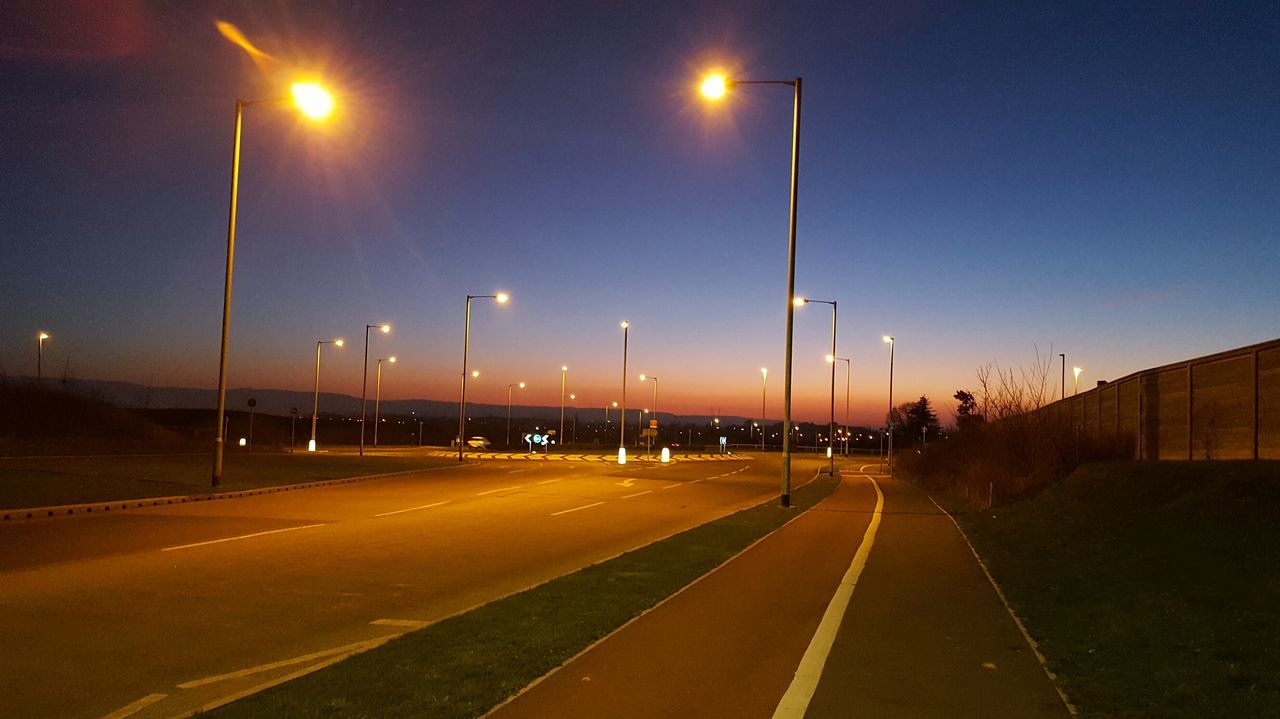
[377, 399]
[500, 298]
[564, 371]
[574, 399]
[315, 402]
[622, 425]
[831, 427]
[848, 373]
[764, 394]
[651, 378]
[716, 87]
[521, 385]
[314, 102]
[891, 342]
[40, 338]
[364, 380]
[1064, 375]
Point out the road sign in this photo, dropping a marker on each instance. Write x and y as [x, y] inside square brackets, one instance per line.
[653, 424]
[650, 433]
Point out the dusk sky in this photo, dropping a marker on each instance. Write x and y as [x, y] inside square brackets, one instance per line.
[978, 180]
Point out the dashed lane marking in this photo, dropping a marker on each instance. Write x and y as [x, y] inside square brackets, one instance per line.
[671, 486]
[406, 623]
[412, 509]
[135, 707]
[515, 471]
[637, 494]
[549, 481]
[283, 663]
[500, 489]
[585, 506]
[243, 536]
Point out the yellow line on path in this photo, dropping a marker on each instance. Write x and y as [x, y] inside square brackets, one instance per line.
[135, 707]
[243, 536]
[637, 494]
[795, 702]
[412, 509]
[585, 506]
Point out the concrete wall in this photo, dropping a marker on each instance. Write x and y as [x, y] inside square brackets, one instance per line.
[1223, 406]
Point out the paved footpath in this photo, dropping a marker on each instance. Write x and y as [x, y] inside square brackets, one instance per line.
[923, 635]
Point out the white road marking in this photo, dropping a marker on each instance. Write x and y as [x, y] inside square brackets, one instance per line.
[515, 471]
[626, 482]
[412, 509]
[795, 702]
[500, 489]
[637, 494]
[135, 707]
[357, 646]
[585, 506]
[670, 486]
[408, 623]
[243, 536]
[549, 481]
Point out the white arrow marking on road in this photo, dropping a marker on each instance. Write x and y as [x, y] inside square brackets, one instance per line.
[626, 483]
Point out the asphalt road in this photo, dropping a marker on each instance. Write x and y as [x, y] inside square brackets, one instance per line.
[155, 611]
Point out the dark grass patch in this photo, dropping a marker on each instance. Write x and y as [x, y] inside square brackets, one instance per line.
[1152, 587]
[46, 481]
[465, 665]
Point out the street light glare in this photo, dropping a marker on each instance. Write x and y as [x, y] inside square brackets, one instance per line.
[339, 342]
[43, 336]
[888, 339]
[502, 297]
[624, 324]
[714, 87]
[564, 368]
[386, 329]
[643, 377]
[1077, 371]
[800, 301]
[392, 359]
[314, 101]
[475, 373]
[521, 385]
[764, 371]
[831, 358]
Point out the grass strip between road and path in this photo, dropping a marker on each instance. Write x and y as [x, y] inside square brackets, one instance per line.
[1151, 587]
[465, 665]
[50, 481]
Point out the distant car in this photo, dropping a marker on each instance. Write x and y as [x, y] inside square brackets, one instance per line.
[479, 443]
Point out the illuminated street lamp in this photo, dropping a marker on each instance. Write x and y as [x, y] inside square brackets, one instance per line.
[890, 341]
[521, 385]
[501, 298]
[1076, 371]
[364, 381]
[622, 425]
[315, 402]
[377, 399]
[564, 371]
[1064, 375]
[848, 373]
[606, 413]
[654, 380]
[40, 338]
[315, 102]
[574, 398]
[831, 427]
[715, 87]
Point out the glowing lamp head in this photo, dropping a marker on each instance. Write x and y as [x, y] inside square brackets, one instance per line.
[644, 377]
[564, 368]
[573, 396]
[615, 404]
[714, 87]
[521, 385]
[339, 342]
[1077, 371]
[624, 324]
[764, 371]
[501, 298]
[887, 339]
[313, 100]
[475, 373]
[392, 359]
[385, 329]
[800, 301]
[43, 336]
[831, 358]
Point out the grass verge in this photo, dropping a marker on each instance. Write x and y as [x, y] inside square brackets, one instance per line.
[467, 664]
[46, 481]
[1151, 587]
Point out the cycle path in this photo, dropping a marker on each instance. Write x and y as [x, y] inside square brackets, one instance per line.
[924, 633]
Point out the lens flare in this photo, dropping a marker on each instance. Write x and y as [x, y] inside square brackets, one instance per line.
[314, 101]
